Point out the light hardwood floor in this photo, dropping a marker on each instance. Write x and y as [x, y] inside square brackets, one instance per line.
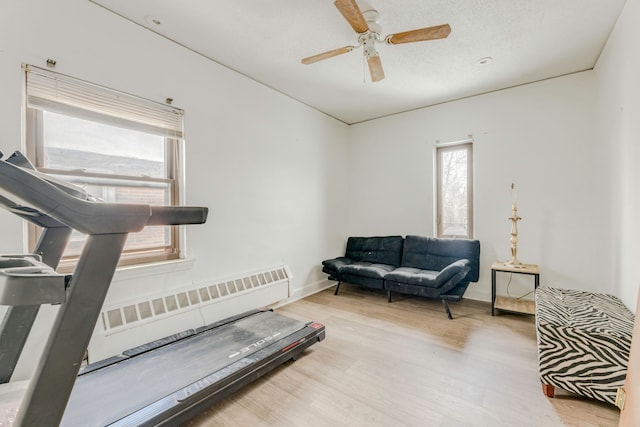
[406, 364]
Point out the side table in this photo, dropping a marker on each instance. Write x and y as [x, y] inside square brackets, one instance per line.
[515, 305]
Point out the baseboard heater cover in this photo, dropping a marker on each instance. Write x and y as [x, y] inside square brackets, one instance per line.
[137, 313]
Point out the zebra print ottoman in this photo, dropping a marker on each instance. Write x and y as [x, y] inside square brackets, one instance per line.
[584, 340]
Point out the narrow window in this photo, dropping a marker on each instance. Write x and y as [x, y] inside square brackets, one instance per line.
[454, 190]
[118, 147]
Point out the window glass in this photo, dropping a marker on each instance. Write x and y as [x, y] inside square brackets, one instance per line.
[72, 143]
[454, 191]
[118, 148]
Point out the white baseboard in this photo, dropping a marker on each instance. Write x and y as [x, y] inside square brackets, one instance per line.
[307, 290]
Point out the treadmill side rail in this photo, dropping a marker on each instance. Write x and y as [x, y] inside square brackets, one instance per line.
[184, 404]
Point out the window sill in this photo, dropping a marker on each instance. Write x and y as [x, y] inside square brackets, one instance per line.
[153, 269]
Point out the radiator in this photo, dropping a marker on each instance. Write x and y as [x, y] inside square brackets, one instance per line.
[121, 327]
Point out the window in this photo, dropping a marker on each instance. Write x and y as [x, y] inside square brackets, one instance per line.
[454, 190]
[119, 148]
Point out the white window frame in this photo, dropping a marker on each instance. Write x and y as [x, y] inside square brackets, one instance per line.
[54, 92]
[439, 148]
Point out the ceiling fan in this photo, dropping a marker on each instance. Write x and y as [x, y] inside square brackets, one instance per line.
[366, 26]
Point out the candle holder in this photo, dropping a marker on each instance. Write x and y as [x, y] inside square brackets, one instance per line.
[514, 262]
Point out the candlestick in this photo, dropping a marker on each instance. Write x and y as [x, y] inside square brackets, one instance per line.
[514, 262]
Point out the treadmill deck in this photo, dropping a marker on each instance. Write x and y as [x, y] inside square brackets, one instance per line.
[172, 378]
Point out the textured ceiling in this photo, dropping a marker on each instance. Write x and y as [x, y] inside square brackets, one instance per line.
[529, 40]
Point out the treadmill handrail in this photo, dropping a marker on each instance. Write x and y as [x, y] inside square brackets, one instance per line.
[88, 217]
[177, 215]
[30, 214]
[24, 187]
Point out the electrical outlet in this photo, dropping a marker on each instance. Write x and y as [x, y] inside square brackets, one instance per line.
[621, 397]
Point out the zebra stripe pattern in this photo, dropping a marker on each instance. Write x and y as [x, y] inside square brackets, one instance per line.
[584, 340]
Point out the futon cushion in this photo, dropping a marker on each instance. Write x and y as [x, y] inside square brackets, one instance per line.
[430, 278]
[428, 253]
[414, 252]
[376, 250]
[367, 269]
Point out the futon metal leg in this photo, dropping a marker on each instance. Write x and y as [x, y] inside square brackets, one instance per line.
[446, 308]
[388, 296]
[337, 288]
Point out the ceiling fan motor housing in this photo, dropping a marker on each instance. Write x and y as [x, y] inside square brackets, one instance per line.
[367, 40]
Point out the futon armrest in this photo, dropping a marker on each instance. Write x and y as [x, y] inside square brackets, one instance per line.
[452, 269]
[335, 264]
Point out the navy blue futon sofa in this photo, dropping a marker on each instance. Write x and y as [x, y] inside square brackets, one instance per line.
[416, 265]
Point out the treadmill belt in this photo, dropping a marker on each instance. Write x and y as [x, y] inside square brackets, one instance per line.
[106, 395]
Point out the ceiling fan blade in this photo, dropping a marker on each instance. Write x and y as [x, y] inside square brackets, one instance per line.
[327, 55]
[422, 34]
[375, 68]
[351, 12]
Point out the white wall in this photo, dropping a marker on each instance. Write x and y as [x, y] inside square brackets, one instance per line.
[286, 184]
[270, 169]
[540, 136]
[570, 145]
[618, 90]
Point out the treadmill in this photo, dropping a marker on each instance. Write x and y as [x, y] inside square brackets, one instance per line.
[163, 382]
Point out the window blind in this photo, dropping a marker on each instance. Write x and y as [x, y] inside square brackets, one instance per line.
[58, 93]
